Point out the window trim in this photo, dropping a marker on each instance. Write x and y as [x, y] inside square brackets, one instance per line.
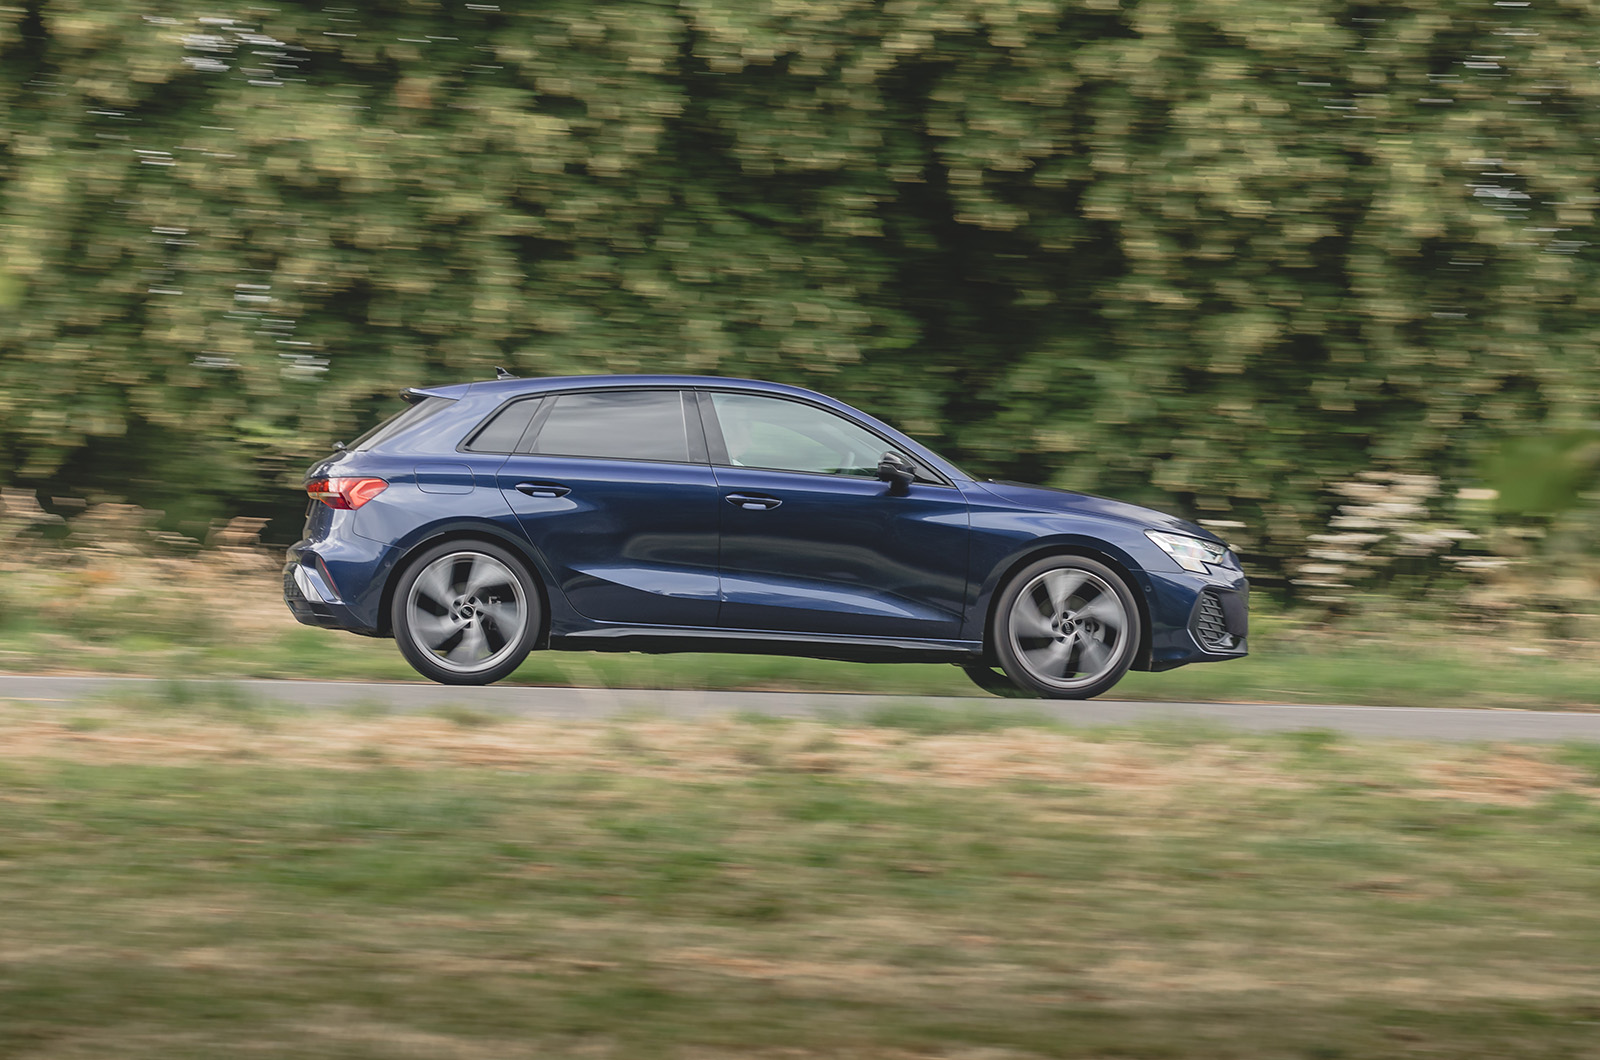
[717, 447]
[694, 430]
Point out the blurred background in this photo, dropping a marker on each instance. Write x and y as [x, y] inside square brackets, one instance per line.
[1319, 274]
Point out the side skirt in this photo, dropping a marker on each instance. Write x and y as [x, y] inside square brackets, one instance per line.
[658, 640]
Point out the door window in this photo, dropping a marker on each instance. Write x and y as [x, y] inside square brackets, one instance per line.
[616, 425]
[779, 435]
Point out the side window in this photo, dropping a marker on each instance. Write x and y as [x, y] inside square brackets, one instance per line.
[505, 428]
[617, 425]
[781, 435]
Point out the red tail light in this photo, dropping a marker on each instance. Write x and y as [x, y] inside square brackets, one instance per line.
[347, 493]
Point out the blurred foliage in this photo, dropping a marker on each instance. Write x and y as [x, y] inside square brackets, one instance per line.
[1545, 474]
[1217, 255]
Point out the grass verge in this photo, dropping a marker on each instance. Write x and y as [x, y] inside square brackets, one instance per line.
[209, 879]
[1414, 668]
[219, 612]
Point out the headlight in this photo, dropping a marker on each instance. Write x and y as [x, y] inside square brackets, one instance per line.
[1191, 553]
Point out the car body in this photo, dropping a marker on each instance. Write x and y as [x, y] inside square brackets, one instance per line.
[685, 513]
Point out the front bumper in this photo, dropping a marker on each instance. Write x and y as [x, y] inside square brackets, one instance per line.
[1198, 617]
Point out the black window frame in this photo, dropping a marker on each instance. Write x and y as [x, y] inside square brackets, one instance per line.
[717, 447]
[694, 430]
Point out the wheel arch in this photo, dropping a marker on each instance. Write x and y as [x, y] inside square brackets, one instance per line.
[1083, 550]
[452, 534]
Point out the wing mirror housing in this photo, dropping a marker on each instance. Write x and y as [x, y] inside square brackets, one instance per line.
[897, 471]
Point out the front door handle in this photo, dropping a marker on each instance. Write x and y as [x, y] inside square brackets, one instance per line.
[753, 502]
[543, 489]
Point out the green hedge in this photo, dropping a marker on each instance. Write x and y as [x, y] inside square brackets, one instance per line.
[1217, 255]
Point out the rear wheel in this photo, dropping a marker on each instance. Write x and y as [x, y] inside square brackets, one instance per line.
[994, 682]
[1066, 627]
[466, 613]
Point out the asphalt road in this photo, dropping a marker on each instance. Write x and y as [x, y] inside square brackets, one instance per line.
[1428, 723]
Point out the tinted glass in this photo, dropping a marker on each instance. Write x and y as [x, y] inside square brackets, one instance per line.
[502, 433]
[401, 421]
[618, 425]
[789, 436]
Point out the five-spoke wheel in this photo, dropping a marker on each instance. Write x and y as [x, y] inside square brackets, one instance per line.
[1066, 627]
[466, 613]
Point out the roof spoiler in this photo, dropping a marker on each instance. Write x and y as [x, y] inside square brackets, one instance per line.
[411, 395]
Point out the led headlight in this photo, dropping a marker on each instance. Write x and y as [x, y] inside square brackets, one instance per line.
[1191, 553]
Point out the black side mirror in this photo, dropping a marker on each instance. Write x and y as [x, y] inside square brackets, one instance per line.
[897, 471]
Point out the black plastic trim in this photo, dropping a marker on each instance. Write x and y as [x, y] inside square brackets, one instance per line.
[668, 639]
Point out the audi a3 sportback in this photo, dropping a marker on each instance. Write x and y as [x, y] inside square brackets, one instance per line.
[672, 513]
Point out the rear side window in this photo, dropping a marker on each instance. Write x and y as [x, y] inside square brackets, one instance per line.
[505, 429]
[401, 421]
[616, 425]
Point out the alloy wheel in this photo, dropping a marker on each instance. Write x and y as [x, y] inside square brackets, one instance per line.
[1069, 629]
[467, 611]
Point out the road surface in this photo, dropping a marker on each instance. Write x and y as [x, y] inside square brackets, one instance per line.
[1427, 723]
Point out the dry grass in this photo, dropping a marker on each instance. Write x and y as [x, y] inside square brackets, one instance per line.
[729, 750]
[214, 877]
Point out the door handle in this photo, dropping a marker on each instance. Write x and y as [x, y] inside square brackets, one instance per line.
[543, 489]
[753, 502]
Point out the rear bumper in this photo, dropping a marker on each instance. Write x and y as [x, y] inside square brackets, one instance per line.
[309, 607]
[337, 583]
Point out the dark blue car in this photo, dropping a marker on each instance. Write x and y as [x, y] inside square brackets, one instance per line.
[677, 513]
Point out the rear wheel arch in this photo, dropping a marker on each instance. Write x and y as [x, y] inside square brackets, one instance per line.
[1141, 653]
[459, 535]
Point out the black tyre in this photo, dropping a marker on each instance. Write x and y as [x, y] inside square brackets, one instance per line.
[466, 613]
[1066, 627]
[994, 682]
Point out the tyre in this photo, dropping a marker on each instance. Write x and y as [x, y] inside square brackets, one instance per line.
[466, 613]
[1066, 627]
[994, 682]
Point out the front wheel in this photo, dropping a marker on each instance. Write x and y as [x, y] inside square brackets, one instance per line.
[1066, 627]
[466, 613]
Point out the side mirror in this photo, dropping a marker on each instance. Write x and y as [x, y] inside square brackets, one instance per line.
[897, 471]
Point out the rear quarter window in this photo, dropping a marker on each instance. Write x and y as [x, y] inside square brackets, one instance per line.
[505, 428]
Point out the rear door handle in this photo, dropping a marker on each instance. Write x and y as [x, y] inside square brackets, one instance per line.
[753, 502]
[543, 489]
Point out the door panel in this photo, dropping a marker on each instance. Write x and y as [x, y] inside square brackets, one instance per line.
[841, 554]
[628, 541]
[612, 487]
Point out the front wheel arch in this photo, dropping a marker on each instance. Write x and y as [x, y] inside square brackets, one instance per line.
[1141, 654]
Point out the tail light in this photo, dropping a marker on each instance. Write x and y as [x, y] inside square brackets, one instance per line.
[345, 493]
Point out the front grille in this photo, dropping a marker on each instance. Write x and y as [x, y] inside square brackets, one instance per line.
[1210, 625]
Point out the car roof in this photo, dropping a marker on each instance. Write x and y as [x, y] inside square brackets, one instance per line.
[513, 387]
